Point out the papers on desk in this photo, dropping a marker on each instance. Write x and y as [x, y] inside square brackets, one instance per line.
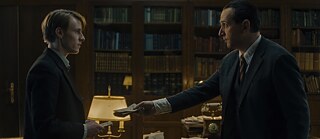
[126, 111]
[154, 135]
[193, 120]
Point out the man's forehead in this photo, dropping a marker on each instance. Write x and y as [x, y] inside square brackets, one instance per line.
[226, 15]
[74, 23]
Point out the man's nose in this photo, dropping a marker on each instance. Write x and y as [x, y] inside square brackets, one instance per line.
[221, 32]
[82, 38]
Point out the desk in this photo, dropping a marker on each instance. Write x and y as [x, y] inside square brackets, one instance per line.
[203, 126]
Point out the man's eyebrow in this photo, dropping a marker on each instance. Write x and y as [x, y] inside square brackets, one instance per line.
[223, 21]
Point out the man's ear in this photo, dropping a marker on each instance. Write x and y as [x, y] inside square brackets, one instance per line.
[59, 32]
[246, 25]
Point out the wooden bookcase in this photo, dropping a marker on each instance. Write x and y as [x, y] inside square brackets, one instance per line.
[144, 40]
[305, 45]
[305, 32]
[164, 33]
[112, 48]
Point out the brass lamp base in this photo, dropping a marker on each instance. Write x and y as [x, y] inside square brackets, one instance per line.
[109, 133]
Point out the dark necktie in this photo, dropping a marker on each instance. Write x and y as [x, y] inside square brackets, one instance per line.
[243, 67]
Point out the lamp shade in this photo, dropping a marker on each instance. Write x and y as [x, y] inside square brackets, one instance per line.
[127, 81]
[102, 108]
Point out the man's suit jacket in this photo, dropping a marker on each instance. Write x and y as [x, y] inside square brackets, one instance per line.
[273, 101]
[52, 109]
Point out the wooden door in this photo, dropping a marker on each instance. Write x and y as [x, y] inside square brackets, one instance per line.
[9, 96]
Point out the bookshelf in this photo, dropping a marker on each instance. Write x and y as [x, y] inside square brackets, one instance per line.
[112, 48]
[162, 50]
[208, 48]
[270, 23]
[305, 34]
[146, 41]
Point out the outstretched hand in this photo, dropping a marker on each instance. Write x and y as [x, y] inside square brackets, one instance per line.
[145, 108]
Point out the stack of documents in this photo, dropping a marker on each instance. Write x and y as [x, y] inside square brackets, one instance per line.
[126, 111]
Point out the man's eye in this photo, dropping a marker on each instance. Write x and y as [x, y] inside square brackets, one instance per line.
[78, 31]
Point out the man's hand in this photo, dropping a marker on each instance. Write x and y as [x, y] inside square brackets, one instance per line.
[146, 108]
[93, 128]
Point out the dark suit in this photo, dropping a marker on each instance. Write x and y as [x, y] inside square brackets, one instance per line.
[272, 103]
[53, 109]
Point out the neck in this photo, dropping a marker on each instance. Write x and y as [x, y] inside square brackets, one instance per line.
[250, 39]
[58, 48]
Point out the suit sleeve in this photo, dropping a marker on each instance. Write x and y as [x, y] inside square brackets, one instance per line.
[291, 96]
[45, 81]
[195, 95]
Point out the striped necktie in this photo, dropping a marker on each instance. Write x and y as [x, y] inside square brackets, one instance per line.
[243, 67]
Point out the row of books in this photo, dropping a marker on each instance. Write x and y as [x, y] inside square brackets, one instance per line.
[270, 33]
[104, 15]
[312, 83]
[110, 40]
[115, 80]
[207, 17]
[204, 67]
[269, 17]
[306, 18]
[110, 62]
[306, 37]
[162, 42]
[168, 63]
[308, 61]
[210, 17]
[209, 44]
[162, 15]
[162, 83]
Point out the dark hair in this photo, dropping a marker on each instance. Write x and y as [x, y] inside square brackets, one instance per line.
[58, 18]
[245, 10]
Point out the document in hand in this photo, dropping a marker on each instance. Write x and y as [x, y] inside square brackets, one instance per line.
[106, 124]
[126, 111]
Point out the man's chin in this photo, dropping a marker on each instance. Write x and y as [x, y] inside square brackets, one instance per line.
[74, 52]
[228, 46]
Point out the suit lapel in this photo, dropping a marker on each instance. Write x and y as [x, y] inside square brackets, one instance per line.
[66, 75]
[253, 69]
[63, 68]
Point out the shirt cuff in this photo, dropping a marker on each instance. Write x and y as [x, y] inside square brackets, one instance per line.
[84, 131]
[162, 106]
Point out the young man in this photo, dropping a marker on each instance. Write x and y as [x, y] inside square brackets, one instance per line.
[262, 92]
[53, 109]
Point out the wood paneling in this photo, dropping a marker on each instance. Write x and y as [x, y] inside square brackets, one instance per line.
[9, 117]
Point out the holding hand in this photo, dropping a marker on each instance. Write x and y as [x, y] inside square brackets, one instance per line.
[93, 128]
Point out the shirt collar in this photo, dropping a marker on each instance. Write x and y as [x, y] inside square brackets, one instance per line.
[248, 54]
[62, 57]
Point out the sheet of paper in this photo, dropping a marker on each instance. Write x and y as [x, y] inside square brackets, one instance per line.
[126, 111]
[106, 124]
